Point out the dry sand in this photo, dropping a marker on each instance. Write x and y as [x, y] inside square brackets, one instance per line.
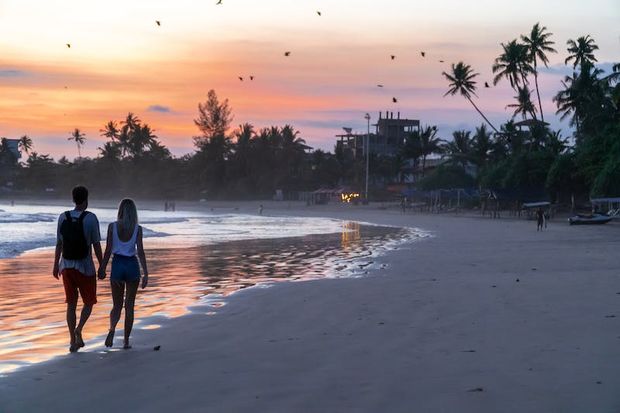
[486, 316]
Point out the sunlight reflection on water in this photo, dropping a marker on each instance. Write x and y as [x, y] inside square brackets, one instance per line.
[32, 326]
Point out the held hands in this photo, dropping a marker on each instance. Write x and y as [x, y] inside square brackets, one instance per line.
[101, 273]
[145, 281]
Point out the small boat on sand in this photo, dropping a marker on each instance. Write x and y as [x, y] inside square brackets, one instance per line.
[589, 219]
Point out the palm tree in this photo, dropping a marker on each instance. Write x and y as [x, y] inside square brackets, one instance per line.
[110, 131]
[429, 144]
[513, 64]
[538, 43]
[78, 137]
[581, 51]
[462, 81]
[25, 143]
[481, 146]
[459, 150]
[524, 105]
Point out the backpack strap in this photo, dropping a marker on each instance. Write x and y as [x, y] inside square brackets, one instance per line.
[82, 216]
[68, 216]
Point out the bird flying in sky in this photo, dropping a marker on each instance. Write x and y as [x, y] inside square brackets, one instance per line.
[241, 78]
[318, 12]
[287, 53]
[158, 22]
[423, 54]
[379, 85]
[393, 56]
[486, 84]
[394, 100]
[69, 45]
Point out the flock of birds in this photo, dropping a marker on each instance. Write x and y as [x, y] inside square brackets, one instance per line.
[288, 54]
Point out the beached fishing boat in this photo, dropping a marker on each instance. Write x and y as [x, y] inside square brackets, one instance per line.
[589, 219]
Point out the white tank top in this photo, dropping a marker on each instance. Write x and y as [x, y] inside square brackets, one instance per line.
[127, 249]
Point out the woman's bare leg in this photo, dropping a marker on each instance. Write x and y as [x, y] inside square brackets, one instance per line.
[118, 292]
[130, 299]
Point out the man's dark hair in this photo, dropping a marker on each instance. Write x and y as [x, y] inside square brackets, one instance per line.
[80, 194]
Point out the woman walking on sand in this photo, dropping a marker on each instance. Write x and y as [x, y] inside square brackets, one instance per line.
[125, 242]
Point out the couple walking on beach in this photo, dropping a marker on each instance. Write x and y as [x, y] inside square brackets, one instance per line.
[77, 236]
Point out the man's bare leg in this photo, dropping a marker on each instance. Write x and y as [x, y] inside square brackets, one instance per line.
[71, 307]
[86, 310]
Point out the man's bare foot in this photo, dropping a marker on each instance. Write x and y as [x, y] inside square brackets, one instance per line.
[79, 342]
[109, 340]
[126, 346]
[73, 348]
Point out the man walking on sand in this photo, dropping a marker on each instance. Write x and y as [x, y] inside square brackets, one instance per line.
[77, 230]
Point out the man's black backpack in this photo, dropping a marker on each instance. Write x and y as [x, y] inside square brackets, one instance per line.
[74, 246]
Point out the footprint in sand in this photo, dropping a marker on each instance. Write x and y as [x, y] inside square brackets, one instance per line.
[477, 389]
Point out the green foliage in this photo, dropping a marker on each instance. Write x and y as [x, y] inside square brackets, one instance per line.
[447, 177]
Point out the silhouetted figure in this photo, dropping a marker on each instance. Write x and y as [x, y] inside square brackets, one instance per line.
[124, 240]
[394, 100]
[403, 204]
[260, 209]
[486, 84]
[174, 206]
[77, 231]
[540, 219]
[166, 206]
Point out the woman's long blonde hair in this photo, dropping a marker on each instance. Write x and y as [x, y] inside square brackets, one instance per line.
[127, 218]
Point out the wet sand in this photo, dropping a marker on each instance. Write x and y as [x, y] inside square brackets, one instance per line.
[33, 328]
[486, 316]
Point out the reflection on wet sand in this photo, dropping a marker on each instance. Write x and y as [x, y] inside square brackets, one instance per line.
[32, 324]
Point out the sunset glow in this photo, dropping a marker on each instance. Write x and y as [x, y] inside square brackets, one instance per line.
[120, 60]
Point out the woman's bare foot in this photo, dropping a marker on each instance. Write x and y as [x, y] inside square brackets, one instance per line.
[109, 340]
[126, 346]
[73, 348]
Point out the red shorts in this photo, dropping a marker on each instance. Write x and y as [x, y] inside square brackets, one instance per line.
[73, 280]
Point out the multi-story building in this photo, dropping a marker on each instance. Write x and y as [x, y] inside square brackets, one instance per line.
[388, 137]
[13, 145]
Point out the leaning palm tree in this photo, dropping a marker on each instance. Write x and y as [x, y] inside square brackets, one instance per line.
[462, 81]
[524, 105]
[25, 143]
[513, 64]
[581, 51]
[538, 44]
[78, 137]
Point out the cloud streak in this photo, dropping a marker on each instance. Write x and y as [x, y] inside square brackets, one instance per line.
[158, 109]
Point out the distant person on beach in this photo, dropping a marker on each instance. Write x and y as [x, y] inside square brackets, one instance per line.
[78, 229]
[124, 240]
[540, 219]
[260, 209]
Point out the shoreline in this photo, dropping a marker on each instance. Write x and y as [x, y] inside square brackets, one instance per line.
[446, 317]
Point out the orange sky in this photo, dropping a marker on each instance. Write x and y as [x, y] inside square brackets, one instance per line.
[121, 61]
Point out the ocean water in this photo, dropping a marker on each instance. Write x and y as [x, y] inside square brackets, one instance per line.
[26, 227]
[196, 261]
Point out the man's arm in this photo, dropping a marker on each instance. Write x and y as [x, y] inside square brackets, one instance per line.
[98, 254]
[106, 256]
[57, 258]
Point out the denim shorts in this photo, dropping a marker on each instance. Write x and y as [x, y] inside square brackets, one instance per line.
[125, 268]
